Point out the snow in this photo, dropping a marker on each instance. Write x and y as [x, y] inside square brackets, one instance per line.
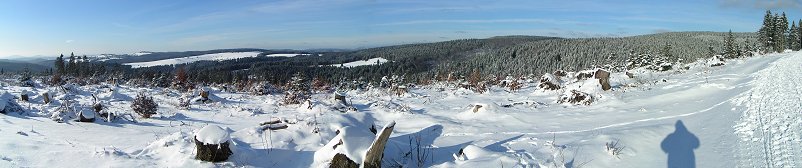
[743, 114]
[185, 60]
[284, 55]
[212, 134]
[141, 53]
[372, 61]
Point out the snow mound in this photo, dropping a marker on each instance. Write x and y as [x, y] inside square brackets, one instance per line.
[113, 95]
[7, 103]
[475, 156]
[212, 134]
[479, 110]
[88, 113]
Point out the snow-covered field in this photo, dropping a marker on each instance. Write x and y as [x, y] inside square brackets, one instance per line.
[372, 61]
[205, 57]
[742, 114]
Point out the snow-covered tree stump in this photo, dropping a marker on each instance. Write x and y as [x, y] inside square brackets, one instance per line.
[340, 97]
[212, 144]
[355, 146]
[86, 116]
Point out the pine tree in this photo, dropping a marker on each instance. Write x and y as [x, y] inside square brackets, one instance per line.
[766, 33]
[780, 27]
[793, 35]
[729, 46]
[72, 65]
[799, 35]
[59, 64]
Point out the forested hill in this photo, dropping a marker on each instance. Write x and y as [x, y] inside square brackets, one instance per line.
[503, 55]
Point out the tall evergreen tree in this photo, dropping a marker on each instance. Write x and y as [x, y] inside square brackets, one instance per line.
[766, 33]
[799, 35]
[59, 64]
[780, 27]
[729, 46]
[72, 66]
[793, 36]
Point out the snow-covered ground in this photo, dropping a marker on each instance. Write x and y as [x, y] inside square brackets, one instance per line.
[742, 114]
[205, 57]
[372, 61]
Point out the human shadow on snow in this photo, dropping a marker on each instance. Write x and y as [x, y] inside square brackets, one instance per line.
[679, 146]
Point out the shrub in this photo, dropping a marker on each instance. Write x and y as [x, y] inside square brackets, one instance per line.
[614, 148]
[144, 105]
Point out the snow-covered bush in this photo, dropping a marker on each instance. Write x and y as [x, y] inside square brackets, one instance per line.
[549, 82]
[144, 105]
[297, 90]
[575, 97]
[263, 88]
[184, 102]
[716, 60]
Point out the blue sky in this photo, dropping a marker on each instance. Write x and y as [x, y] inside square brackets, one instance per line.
[34, 27]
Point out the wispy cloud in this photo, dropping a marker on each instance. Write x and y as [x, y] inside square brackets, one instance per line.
[478, 21]
[69, 41]
[763, 4]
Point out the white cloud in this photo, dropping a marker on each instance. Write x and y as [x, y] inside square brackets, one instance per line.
[69, 41]
[476, 21]
[763, 4]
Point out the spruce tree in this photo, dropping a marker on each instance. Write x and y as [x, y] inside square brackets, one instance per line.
[793, 35]
[72, 65]
[729, 46]
[780, 27]
[766, 33]
[59, 64]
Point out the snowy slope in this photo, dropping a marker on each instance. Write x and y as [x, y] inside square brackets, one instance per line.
[744, 113]
[372, 61]
[205, 57]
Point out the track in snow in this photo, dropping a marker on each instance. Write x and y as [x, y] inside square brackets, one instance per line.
[771, 126]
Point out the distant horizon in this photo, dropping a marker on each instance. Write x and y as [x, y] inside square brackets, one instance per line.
[359, 48]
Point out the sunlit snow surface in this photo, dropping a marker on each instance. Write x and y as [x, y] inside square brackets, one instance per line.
[205, 57]
[744, 113]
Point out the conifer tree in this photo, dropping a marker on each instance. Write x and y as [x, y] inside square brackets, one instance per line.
[59, 64]
[766, 33]
[793, 35]
[729, 46]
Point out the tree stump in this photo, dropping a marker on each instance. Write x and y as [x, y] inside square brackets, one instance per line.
[340, 97]
[604, 79]
[373, 158]
[46, 97]
[342, 161]
[212, 144]
[204, 94]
